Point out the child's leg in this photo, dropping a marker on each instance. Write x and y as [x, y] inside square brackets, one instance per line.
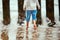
[34, 12]
[35, 25]
[27, 25]
[28, 13]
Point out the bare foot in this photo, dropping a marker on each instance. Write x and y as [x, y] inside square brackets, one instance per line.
[35, 27]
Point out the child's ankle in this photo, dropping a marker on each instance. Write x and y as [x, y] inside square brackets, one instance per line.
[35, 25]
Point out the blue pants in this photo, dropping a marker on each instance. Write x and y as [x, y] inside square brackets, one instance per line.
[29, 13]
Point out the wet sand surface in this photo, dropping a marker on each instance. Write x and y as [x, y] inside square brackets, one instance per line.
[49, 33]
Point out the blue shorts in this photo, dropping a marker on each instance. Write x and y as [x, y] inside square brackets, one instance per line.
[29, 13]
